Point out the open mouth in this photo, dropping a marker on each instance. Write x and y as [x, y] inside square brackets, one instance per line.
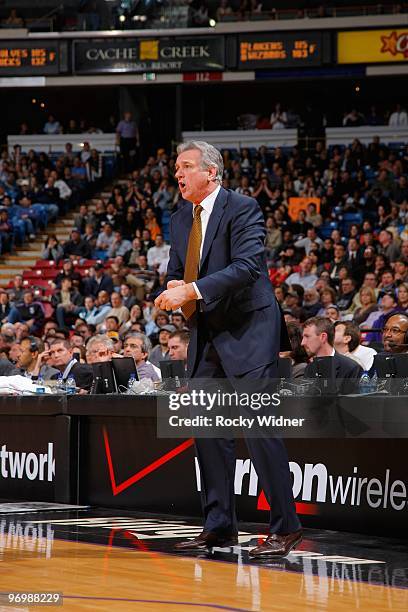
[182, 185]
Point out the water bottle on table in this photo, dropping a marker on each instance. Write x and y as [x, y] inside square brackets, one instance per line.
[60, 386]
[70, 385]
[40, 386]
[131, 382]
[365, 385]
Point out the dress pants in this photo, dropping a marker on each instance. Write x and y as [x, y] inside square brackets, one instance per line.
[216, 458]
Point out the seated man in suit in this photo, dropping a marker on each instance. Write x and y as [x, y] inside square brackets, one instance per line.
[98, 281]
[62, 359]
[318, 341]
[99, 348]
[178, 345]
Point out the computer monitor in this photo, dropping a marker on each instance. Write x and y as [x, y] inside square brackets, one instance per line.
[385, 366]
[324, 370]
[123, 368]
[393, 368]
[324, 367]
[173, 373]
[284, 367]
[401, 364]
[104, 379]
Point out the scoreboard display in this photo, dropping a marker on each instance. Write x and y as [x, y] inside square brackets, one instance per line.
[29, 58]
[282, 50]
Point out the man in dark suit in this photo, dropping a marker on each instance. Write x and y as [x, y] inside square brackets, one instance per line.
[217, 275]
[99, 282]
[353, 255]
[62, 359]
[318, 341]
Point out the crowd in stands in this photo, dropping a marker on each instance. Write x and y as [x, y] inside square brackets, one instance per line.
[36, 189]
[343, 255]
[397, 117]
[338, 259]
[281, 118]
[104, 278]
[54, 126]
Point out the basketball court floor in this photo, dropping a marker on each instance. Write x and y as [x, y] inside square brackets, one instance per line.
[117, 561]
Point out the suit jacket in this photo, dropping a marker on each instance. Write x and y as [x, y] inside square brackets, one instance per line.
[75, 296]
[46, 371]
[92, 287]
[130, 301]
[347, 373]
[238, 311]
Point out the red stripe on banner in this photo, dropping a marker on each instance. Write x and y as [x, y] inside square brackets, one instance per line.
[109, 460]
[262, 502]
[301, 508]
[116, 489]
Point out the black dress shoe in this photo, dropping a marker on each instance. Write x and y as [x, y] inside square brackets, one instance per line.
[207, 539]
[277, 545]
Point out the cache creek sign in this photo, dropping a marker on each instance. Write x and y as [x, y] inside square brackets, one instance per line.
[149, 55]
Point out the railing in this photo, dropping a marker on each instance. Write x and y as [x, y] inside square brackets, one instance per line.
[175, 13]
[311, 13]
[366, 133]
[55, 143]
[237, 139]
[229, 139]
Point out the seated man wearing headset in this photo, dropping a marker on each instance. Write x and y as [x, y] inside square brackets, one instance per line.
[33, 359]
[395, 333]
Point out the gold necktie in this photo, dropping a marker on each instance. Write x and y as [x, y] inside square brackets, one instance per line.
[193, 258]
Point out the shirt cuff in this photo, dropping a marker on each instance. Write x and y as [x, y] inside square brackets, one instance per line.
[199, 296]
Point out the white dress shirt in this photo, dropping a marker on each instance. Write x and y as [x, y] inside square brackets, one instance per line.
[364, 355]
[68, 368]
[207, 205]
[398, 119]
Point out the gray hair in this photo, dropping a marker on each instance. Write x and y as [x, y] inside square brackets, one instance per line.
[210, 156]
[146, 343]
[100, 339]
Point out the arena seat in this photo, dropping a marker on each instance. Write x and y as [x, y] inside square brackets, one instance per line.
[48, 310]
[45, 263]
[42, 283]
[349, 219]
[326, 229]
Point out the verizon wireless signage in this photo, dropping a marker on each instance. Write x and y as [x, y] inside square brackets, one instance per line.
[27, 465]
[351, 490]
[150, 55]
[34, 453]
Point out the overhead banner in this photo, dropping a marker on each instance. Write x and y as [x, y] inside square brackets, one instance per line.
[283, 50]
[150, 55]
[372, 46]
